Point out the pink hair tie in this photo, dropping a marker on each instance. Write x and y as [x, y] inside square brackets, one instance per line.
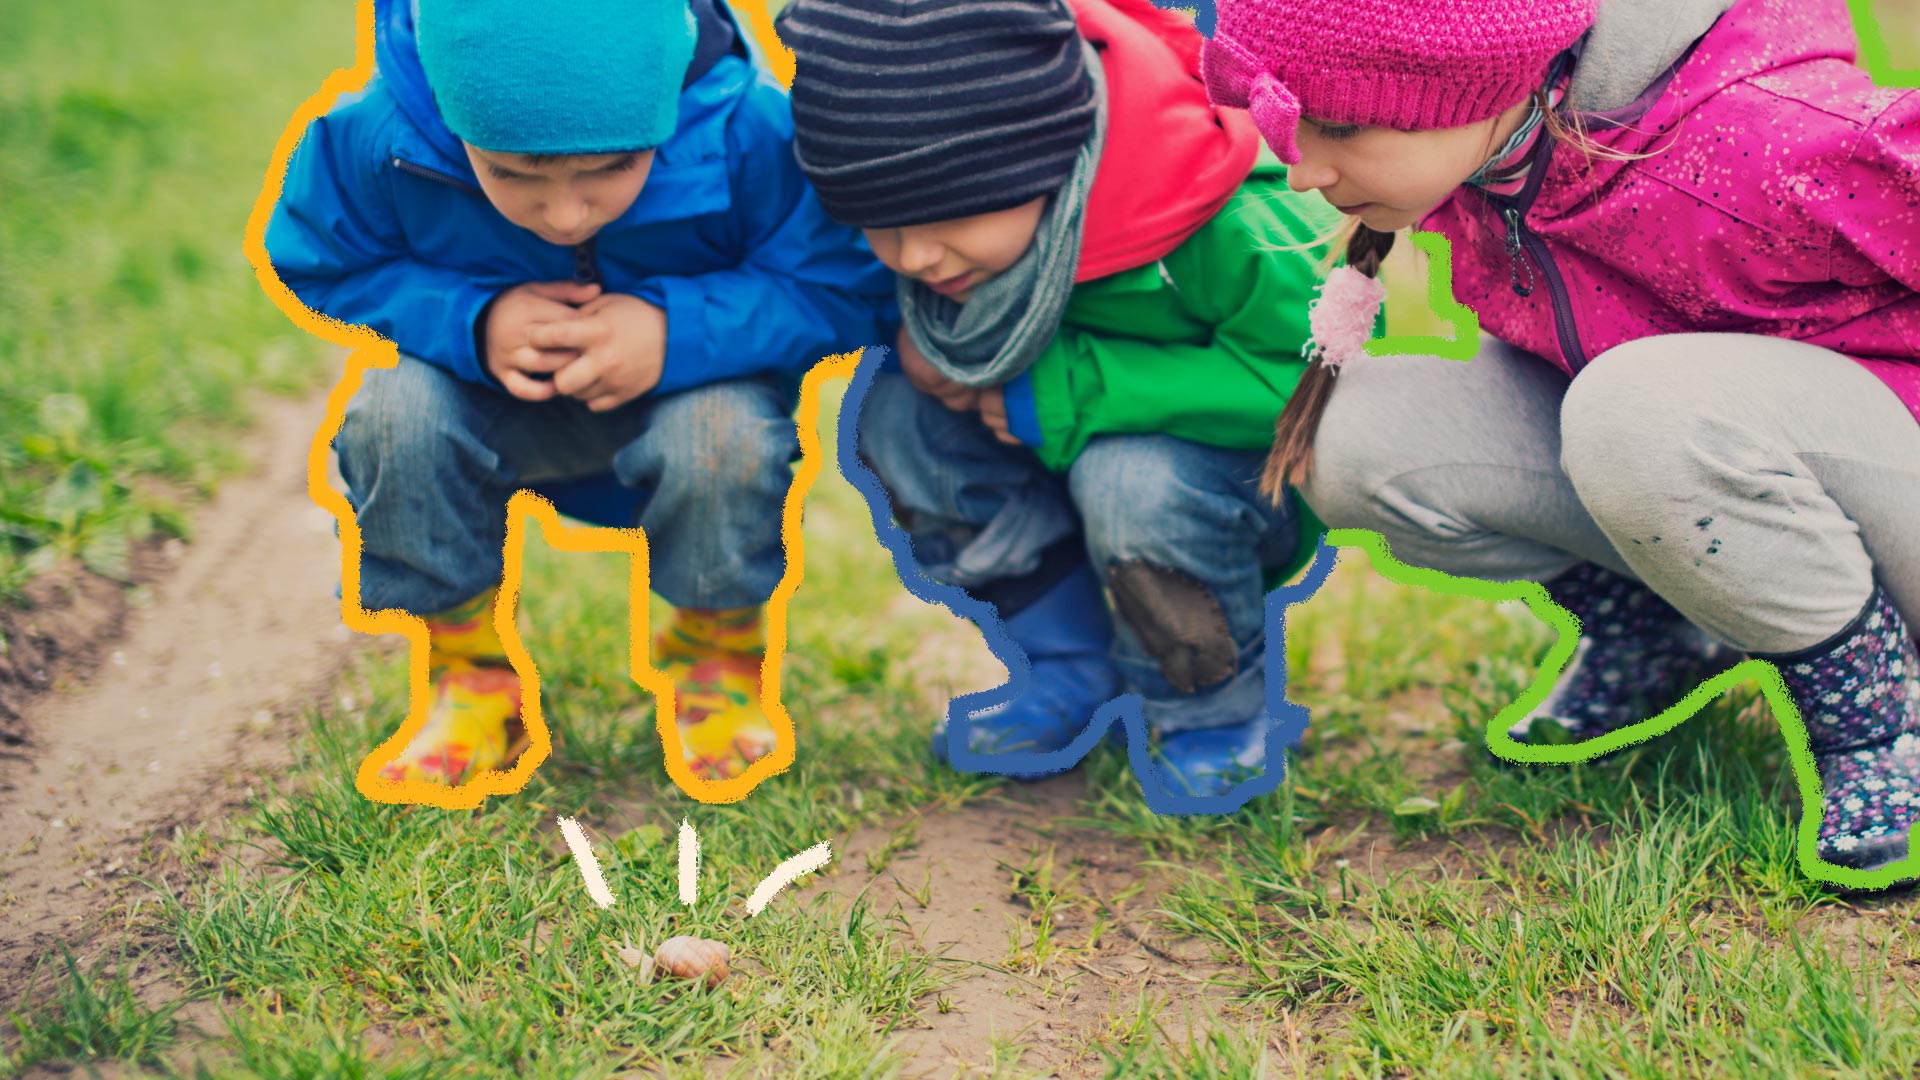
[1276, 112]
[1342, 318]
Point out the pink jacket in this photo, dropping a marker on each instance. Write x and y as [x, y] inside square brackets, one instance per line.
[1784, 200]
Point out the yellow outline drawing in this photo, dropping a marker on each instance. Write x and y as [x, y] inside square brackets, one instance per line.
[369, 350]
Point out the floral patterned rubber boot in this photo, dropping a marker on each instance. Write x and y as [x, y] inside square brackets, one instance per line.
[1859, 696]
[714, 659]
[473, 718]
[1636, 657]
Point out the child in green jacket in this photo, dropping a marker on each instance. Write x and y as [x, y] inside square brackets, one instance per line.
[1093, 268]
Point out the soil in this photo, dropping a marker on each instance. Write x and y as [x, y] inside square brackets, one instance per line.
[56, 628]
[126, 715]
[957, 897]
[129, 714]
[169, 699]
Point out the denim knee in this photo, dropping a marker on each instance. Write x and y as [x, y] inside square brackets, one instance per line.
[890, 422]
[1133, 496]
[720, 439]
[407, 423]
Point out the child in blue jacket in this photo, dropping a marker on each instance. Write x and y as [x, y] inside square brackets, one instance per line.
[584, 229]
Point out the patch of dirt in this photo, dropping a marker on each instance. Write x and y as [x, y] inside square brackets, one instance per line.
[56, 629]
[957, 888]
[167, 711]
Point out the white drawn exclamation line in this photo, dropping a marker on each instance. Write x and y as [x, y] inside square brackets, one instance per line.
[584, 859]
[787, 872]
[689, 863]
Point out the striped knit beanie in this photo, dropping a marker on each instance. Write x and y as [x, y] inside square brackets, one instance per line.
[1409, 64]
[912, 111]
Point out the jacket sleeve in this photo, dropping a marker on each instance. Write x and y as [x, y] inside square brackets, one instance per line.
[335, 240]
[1224, 392]
[806, 288]
[1875, 214]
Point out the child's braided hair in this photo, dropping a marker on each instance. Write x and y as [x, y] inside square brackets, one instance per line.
[1291, 459]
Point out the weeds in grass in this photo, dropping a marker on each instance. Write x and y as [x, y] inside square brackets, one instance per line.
[89, 1016]
[131, 327]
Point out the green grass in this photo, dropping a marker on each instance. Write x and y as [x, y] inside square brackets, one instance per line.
[467, 939]
[88, 1014]
[1402, 907]
[131, 326]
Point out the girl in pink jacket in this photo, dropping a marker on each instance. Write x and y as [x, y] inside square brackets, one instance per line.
[1692, 231]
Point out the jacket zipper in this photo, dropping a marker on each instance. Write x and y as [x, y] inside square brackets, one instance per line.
[434, 174]
[1513, 214]
[586, 269]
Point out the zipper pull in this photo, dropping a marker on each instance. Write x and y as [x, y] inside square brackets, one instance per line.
[1516, 258]
[584, 269]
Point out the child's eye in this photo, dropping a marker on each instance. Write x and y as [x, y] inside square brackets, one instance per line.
[1337, 132]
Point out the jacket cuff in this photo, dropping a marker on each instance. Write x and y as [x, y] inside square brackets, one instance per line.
[486, 376]
[1023, 416]
[469, 362]
[685, 364]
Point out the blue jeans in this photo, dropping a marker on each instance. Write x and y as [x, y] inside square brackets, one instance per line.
[430, 461]
[1177, 531]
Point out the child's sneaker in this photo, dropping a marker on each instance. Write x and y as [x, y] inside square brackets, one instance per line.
[1636, 656]
[714, 659]
[472, 725]
[1213, 761]
[1067, 635]
[1859, 697]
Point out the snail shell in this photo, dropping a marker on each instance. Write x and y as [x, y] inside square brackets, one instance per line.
[693, 958]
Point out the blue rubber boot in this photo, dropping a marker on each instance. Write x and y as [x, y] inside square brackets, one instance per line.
[1212, 761]
[1067, 634]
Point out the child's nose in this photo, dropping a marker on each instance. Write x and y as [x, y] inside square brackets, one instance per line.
[918, 255]
[566, 216]
[1310, 175]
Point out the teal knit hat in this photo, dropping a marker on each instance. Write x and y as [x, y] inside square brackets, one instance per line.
[557, 77]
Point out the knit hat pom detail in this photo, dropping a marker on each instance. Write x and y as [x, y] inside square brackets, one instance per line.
[1234, 80]
[1276, 112]
[1342, 318]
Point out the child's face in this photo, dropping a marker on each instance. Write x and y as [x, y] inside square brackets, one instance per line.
[567, 199]
[956, 257]
[1391, 179]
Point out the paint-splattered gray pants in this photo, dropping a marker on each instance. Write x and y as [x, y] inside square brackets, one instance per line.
[1760, 485]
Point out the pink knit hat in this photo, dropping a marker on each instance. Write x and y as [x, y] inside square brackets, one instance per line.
[1407, 64]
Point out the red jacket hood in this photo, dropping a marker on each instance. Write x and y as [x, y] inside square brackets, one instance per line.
[1171, 160]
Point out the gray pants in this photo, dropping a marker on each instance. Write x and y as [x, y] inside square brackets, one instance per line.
[1759, 485]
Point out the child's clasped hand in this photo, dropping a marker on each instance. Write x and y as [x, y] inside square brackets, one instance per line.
[548, 338]
[989, 401]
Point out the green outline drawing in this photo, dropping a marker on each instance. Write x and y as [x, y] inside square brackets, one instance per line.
[1875, 57]
[1567, 625]
[1873, 48]
[1466, 321]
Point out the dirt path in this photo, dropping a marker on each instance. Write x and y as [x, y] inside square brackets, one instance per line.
[161, 715]
[190, 697]
[975, 887]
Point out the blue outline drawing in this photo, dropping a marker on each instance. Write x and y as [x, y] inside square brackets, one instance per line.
[1288, 720]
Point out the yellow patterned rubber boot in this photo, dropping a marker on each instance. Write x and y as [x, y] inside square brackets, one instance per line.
[473, 718]
[714, 659]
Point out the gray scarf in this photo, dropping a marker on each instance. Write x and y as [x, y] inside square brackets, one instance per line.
[1007, 321]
